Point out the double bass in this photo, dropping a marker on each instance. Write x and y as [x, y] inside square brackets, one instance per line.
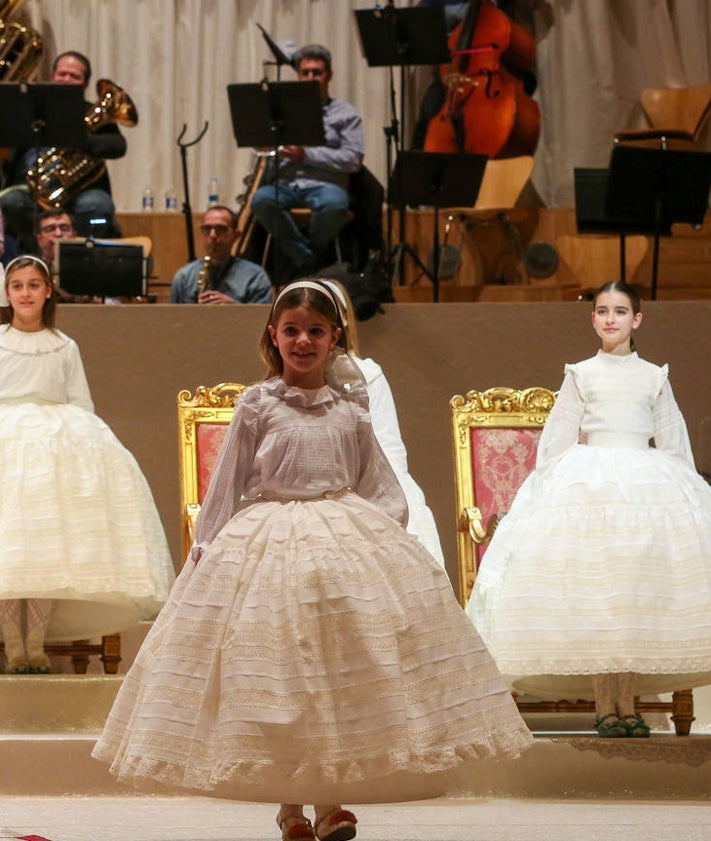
[487, 110]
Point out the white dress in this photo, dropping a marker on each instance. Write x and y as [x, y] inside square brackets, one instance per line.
[603, 563]
[421, 521]
[77, 520]
[315, 652]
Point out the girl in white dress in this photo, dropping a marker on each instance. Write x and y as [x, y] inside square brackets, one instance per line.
[383, 416]
[81, 543]
[311, 650]
[597, 583]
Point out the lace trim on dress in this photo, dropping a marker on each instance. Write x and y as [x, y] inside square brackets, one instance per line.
[32, 344]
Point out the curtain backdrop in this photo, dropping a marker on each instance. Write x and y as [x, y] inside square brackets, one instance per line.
[176, 57]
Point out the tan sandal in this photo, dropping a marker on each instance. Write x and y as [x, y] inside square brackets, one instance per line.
[295, 828]
[338, 825]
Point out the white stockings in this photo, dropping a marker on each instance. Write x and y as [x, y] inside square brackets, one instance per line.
[614, 694]
[25, 654]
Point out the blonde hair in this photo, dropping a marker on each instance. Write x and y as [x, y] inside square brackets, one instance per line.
[347, 313]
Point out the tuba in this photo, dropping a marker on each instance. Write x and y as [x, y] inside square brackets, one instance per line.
[20, 46]
[59, 174]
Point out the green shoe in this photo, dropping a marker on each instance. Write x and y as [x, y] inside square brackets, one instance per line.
[610, 727]
[635, 726]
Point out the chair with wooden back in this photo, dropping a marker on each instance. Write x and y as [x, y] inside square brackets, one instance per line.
[495, 438]
[203, 418]
[676, 117]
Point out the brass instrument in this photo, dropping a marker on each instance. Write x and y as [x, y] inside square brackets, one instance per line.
[59, 174]
[203, 278]
[20, 46]
[252, 181]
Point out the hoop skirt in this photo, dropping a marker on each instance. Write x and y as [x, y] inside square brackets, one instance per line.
[315, 652]
[603, 563]
[78, 524]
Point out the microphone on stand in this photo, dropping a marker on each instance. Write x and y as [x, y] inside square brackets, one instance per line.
[279, 54]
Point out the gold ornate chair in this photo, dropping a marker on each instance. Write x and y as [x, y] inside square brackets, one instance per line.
[203, 418]
[495, 437]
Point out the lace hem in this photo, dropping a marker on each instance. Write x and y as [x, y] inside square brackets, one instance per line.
[273, 777]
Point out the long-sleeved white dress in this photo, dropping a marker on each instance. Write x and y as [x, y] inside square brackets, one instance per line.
[77, 519]
[316, 651]
[421, 521]
[603, 563]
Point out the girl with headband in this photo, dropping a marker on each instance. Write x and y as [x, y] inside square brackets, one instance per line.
[312, 651]
[82, 549]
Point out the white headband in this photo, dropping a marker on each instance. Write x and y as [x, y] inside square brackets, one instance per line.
[4, 272]
[337, 292]
[308, 284]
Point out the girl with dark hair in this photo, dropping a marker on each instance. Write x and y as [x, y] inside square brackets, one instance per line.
[312, 651]
[82, 549]
[597, 583]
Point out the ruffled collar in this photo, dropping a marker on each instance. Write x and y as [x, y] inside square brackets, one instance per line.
[616, 358]
[303, 398]
[41, 341]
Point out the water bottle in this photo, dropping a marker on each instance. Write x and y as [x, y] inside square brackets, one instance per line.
[213, 192]
[171, 200]
[147, 200]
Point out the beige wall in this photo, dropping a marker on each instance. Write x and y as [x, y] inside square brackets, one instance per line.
[138, 357]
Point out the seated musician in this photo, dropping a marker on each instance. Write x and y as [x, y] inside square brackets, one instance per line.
[93, 202]
[314, 177]
[220, 278]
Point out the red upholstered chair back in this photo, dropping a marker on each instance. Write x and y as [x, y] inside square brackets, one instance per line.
[495, 436]
[203, 419]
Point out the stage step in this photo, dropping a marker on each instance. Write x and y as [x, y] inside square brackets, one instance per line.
[558, 765]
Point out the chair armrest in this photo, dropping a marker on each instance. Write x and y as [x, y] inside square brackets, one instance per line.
[471, 520]
[192, 509]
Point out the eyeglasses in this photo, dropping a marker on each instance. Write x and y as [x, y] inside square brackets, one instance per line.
[62, 227]
[312, 71]
[220, 230]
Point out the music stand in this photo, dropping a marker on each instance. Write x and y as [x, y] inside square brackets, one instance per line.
[439, 179]
[274, 114]
[648, 190]
[398, 38]
[42, 114]
[101, 268]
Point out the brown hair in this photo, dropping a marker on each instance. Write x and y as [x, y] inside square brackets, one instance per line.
[625, 289]
[49, 310]
[318, 297]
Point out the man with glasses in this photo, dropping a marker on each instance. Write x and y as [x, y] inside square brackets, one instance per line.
[53, 225]
[314, 177]
[228, 279]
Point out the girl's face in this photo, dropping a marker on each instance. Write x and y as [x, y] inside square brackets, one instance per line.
[27, 290]
[613, 321]
[304, 338]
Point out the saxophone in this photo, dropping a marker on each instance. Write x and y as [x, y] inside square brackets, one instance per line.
[203, 278]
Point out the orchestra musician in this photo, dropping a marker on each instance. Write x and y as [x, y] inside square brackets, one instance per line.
[94, 202]
[314, 177]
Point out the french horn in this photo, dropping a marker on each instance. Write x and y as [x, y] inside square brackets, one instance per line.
[58, 175]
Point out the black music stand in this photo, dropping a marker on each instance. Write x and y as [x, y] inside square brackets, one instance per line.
[391, 38]
[439, 179]
[273, 114]
[648, 190]
[42, 114]
[102, 268]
